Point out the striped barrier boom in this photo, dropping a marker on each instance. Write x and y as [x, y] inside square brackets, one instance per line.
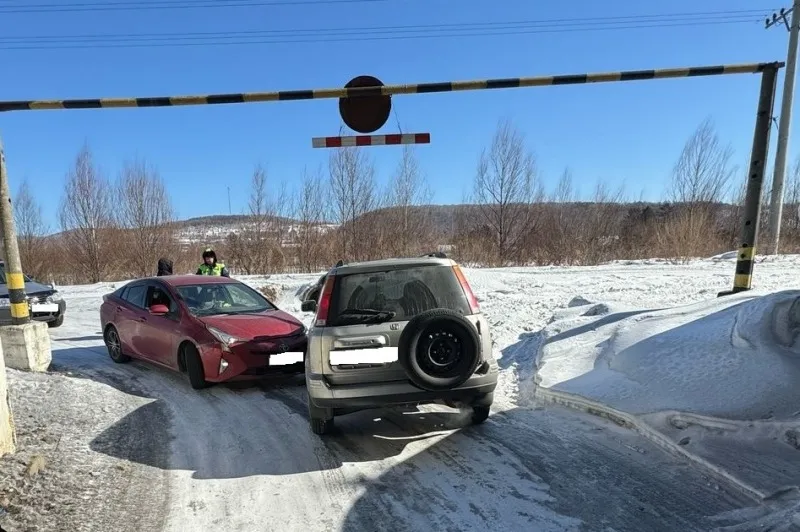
[370, 140]
[387, 90]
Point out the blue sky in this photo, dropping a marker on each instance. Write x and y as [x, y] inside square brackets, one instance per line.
[629, 132]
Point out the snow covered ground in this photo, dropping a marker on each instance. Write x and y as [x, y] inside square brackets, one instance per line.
[243, 458]
[719, 376]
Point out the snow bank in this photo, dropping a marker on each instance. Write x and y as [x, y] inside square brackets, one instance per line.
[736, 357]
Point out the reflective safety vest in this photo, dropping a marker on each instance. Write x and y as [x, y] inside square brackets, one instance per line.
[216, 269]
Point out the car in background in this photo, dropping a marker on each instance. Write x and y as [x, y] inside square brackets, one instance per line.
[311, 292]
[397, 332]
[213, 329]
[45, 302]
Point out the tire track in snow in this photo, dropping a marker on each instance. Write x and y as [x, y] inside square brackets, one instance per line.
[246, 460]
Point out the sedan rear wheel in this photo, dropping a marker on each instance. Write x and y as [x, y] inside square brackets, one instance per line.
[114, 346]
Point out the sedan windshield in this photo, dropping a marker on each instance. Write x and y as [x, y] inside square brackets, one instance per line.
[3, 275]
[223, 298]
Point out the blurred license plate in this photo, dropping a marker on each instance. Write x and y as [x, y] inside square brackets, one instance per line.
[380, 355]
[286, 359]
[44, 307]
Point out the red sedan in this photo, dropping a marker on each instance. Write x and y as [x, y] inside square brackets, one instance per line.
[214, 329]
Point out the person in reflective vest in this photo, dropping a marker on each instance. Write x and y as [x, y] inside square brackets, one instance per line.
[210, 265]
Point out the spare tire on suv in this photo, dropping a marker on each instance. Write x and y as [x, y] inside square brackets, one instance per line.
[439, 350]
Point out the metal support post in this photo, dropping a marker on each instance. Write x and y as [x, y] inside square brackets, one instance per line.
[755, 180]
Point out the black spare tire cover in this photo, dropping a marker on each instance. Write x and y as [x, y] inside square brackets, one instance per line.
[439, 350]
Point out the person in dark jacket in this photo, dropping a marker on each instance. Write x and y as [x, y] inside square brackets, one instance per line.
[164, 267]
[210, 265]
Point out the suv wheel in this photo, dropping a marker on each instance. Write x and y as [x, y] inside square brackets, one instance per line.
[439, 350]
[481, 407]
[480, 414]
[321, 419]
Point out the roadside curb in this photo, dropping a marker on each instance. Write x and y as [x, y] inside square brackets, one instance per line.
[632, 422]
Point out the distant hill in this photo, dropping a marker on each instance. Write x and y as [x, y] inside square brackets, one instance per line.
[444, 219]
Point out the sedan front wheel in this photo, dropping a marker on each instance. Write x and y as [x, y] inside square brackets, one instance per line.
[194, 368]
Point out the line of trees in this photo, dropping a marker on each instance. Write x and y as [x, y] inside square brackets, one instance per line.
[118, 228]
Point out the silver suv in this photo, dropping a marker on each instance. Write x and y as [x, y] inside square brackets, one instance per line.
[397, 332]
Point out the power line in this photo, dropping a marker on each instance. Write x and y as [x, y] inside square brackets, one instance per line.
[146, 5]
[355, 34]
[162, 5]
[734, 16]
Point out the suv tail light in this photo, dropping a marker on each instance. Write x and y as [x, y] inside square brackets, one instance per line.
[473, 301]
[324, 302]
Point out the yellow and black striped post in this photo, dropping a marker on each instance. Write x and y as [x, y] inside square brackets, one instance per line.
[20, 312]
[743, 277]
[417, 88]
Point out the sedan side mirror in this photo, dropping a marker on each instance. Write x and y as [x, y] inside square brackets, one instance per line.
[159, 310]
[308, 306]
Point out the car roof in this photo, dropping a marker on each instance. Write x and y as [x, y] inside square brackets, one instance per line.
[193, 279]
[389, 264]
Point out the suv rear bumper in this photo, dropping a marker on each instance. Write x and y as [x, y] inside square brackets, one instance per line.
[379, 394]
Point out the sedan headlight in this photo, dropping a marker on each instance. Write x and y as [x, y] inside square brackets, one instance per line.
[224, 338]
[5, 302]
[55, 297]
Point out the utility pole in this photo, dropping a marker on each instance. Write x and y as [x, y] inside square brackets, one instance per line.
[25, 343]
[8, 435]
[229, 201]
[779, 173]
[20, 313]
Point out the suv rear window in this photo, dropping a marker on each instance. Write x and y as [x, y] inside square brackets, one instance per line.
[406, 292]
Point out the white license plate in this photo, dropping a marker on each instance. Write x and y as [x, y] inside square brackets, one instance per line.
[380, 355]
[286, 359]
[44, 307]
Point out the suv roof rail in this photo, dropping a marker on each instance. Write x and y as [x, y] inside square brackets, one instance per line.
[340, 263]
[435, 254]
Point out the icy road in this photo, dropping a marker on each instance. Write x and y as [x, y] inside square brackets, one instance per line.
[243, 458]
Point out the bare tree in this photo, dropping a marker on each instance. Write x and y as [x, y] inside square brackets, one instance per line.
[506, 189]
[600, 226]
[86, 217]
[144, 210]
[562, 223]
[410, 223]
[310, 215]
[281, 228]
[352, 180]
[791, 216]
[700, 181]
[564, 192]
[258, 246]
[31, 230]
[704, 169]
